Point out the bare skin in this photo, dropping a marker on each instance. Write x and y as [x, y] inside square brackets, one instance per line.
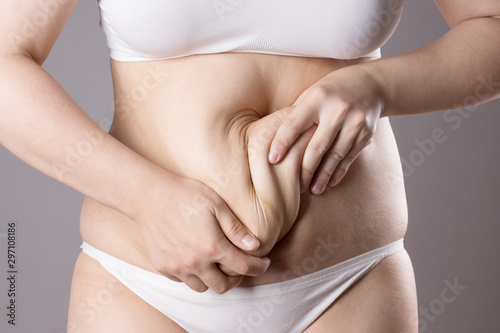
[165, 135]
[353, 217]
[174, 145]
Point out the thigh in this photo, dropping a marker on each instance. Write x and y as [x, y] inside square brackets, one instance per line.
[384, 301]
[100, 303]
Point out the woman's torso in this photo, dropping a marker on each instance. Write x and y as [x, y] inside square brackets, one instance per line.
[178, 114]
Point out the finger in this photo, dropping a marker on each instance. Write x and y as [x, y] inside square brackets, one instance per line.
[319, 145]
[219, 282]
[301, 97]
[316, 149]
[234, 230]
[341, 169]
[173, 278]
[242, 263]
[237, 235]
[292, 126]
[195, 283]
[226, 270]
[335, 154]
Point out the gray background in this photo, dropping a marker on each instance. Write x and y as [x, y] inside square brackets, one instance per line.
[452, 196]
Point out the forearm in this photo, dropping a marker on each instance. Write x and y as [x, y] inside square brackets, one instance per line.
[44, 127]
[459, 69]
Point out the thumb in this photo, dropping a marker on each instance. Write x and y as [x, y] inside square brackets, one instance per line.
[236, 232]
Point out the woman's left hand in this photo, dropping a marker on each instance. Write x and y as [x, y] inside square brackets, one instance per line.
[345, 105]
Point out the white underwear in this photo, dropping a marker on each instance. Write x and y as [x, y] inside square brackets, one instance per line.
[289, 306]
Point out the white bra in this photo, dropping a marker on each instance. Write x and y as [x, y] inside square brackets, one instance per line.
[141, 30]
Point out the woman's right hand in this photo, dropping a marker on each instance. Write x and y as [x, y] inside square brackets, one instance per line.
[189, 233]
[184, 227]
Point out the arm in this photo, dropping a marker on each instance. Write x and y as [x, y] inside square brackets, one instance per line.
[44, 127]
[462, 64]
[461, 68]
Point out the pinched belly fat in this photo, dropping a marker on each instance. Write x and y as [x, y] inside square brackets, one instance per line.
[268, 202]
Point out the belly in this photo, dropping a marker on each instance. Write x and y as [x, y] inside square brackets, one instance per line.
[210, 118]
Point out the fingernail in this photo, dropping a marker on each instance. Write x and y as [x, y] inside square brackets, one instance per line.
[334, 182]
[318, 188]
[273, 156]
[250, 242]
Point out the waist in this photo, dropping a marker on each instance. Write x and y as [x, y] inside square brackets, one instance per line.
[192, 115]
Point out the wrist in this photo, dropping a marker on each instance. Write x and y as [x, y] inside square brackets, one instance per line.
[375, 78]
